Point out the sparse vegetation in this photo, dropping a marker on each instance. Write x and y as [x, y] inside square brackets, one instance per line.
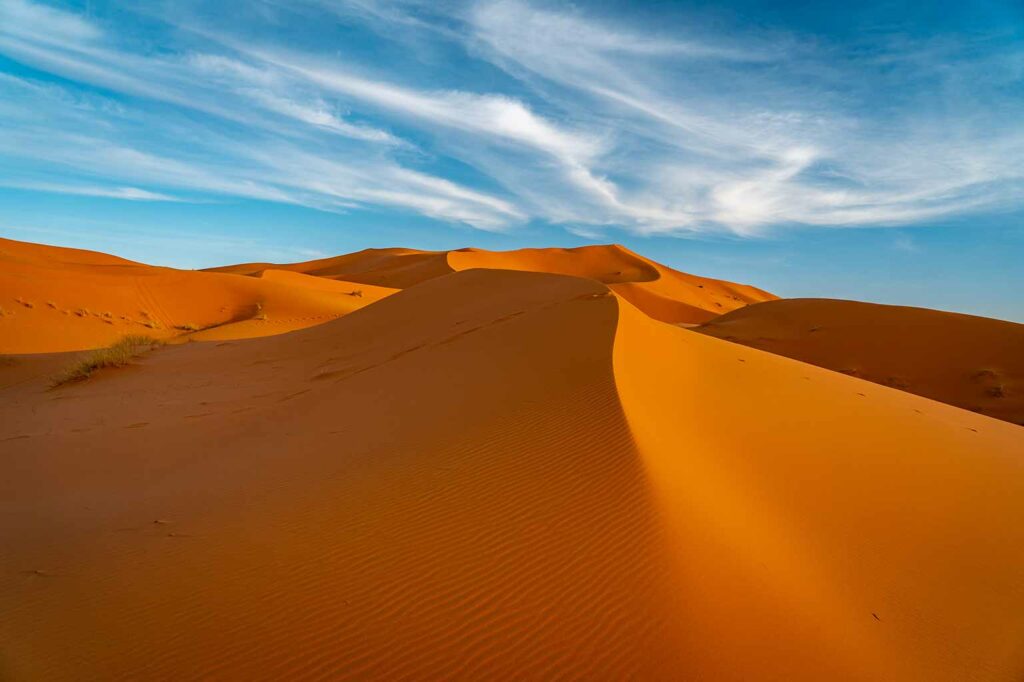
[358, 293]
[187, 327]
[51, 304]
[117, 355]
[150, 324]
[27, 304]
[260, 314]
[82, 312]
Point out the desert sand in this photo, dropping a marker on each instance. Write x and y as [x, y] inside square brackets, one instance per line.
[972, 362]
[56, 299]
[661, 292]
[493, 466]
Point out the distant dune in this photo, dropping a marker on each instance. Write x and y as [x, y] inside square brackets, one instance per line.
[494, 473]
[663, 293]
[55, 299]
[972, 362]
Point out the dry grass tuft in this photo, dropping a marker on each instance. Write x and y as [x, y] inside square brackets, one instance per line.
[51, 304]
[188, 327]
[82, 312]
[117, 355]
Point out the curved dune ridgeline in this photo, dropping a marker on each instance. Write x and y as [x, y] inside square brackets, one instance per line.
[54, 299]
[663, 293]
[501, 475]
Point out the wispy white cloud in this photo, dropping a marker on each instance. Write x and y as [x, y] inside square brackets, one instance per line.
[46, 24]
[594, 124]
[110, 192]
[745, 149]
[282, 156]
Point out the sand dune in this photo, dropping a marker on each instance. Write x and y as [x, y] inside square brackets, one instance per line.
[56, 299]
[661, 292]
[505, 475]
[972, 362]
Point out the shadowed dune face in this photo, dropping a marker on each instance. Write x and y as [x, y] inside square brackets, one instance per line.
[443, 486]
[499, 474]
[972, 362]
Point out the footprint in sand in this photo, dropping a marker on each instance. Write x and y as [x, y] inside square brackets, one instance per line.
[39, 573]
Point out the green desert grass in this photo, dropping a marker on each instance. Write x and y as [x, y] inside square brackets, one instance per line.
[117, 355]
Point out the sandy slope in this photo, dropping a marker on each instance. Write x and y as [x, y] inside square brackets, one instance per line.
[56, 299]
[972, 362]
[501, 475]
[660, 291]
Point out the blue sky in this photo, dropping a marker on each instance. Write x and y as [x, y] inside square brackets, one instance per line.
[874, 153]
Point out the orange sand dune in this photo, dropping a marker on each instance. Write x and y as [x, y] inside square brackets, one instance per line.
[393, 268]
[501, 475]
[975, 363]
[56, 299]
[663, 293]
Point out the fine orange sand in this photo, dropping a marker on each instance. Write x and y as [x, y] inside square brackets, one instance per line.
[495, 474]
[975, 363]
[663, 293]
[56, 299]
